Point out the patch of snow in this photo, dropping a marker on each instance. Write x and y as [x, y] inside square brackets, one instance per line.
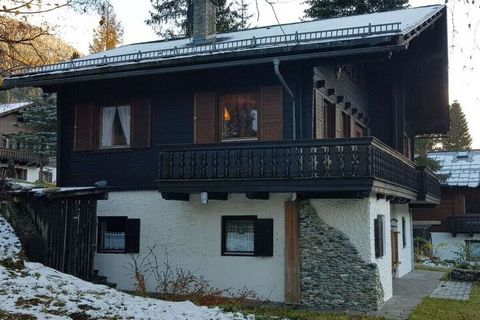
[9, 244]
[9, 107]
[49, 294]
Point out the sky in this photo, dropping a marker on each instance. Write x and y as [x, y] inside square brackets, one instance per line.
[464, 60]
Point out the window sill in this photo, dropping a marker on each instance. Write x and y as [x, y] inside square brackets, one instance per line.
[238, 254]
[112, 251]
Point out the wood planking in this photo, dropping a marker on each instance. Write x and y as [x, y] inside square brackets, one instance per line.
[292, 253]
[319, 115]
[271, 114]
[205, 117]
[84, 119]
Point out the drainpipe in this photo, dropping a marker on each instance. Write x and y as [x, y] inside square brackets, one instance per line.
[276, 65]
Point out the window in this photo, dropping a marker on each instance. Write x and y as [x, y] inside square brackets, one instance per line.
[118, 235]
[247, 236]
[115, 126]
[404, 232]
[240, 115]
[379, 236]
[473, 249]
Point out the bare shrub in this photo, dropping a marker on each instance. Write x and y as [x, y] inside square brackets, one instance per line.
[176, 283]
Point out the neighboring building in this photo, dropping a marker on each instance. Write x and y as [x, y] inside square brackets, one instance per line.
[456, 221]
[261, 145]
[14, 161]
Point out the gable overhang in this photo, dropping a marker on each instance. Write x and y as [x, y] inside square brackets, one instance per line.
[326, 50]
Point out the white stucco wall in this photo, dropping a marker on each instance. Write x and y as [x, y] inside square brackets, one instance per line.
[32, 173]
[191, 232]
[355, 218]
[382, 207]
[445, 244]
[404, 253]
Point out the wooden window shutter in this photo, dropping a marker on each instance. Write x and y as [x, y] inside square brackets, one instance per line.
[132, 236]
[205, 118]
[378, 234]
[271, 114]
[319, 115]
[141, 123]
[264, 237]
[338, 123]
[84, 127]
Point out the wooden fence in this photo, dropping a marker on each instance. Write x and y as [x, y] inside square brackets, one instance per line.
[66, 227]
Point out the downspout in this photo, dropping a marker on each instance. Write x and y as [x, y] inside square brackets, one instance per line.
[276, 65]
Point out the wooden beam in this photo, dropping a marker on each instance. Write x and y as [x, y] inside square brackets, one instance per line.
[218, 196]
[175, 196]
[292, 252]
[257, 195]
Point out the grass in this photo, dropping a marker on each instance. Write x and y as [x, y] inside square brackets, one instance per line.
[420, 266]
[444, 309]
[290, 313]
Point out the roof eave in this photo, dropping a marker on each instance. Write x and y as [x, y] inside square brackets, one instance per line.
[290, 53]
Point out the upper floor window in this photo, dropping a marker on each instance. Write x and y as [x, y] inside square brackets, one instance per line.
[240, 115]
[115, 126]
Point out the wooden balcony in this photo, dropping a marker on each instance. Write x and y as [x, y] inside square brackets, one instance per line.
[429, 188]
[464, 224]
[22, 157]
[344, 168]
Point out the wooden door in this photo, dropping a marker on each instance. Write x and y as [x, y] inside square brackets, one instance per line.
[395, 262]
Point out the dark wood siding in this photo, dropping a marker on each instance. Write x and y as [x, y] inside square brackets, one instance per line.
[84, 123]
[141, 123]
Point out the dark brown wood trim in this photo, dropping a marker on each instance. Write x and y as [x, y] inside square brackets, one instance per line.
[292, 252]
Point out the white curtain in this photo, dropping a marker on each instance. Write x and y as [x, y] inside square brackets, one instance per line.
[124, 114]
[114, 240]
[240, 236]
[107, 126]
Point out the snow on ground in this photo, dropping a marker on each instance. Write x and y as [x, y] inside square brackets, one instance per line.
[45, 293]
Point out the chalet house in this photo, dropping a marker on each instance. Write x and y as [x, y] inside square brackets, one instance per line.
[456, 221]
[276, 158]
[15, 161]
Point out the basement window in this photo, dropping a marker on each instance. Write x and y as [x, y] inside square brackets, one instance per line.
[473, 249]
[247, 236]
[118, 235]
[379, 236]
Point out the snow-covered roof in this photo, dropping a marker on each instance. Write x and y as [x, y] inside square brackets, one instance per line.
[7, 108]
[462, 168]
[340, 31]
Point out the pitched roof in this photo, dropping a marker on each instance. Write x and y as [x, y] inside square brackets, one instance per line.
[462, 169]
[327, 34]
[8, 108]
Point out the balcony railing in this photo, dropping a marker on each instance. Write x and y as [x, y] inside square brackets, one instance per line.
[322, 166]
[429, 185]
[464, 224]
[22, 157]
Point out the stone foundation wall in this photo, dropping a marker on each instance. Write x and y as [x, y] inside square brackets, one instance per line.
[333, 275]
[465, 275]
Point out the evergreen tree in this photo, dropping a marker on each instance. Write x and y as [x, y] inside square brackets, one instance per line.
[423, 145]
[42, 119]
[174, 18]
[109, 33]
[321, 9]
[458, 137]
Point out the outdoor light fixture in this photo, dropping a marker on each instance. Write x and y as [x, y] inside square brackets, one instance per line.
[338, 71]
[394, 224]
[204, 197]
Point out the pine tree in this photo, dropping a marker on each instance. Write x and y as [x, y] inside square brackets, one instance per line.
[109, 33]
[321, 9]
[423, 145]
[458, 137]
[42, 119]
[174, 18]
